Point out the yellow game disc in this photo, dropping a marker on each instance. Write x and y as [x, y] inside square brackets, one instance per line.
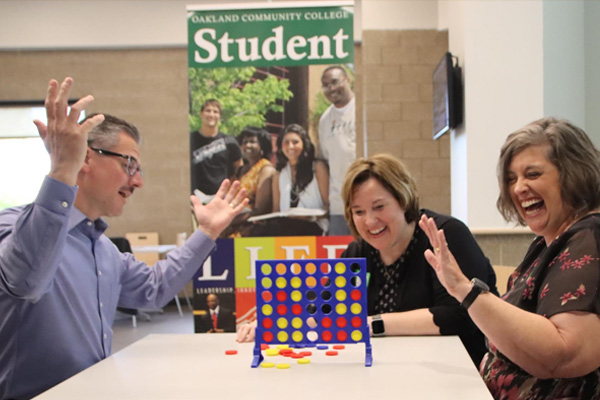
[283, 346]
[297, 323]
[356, 336]
[283, 366]
[267, 364]
[296, 295]
[340, 281]
[281, 283]
[297, 336]
[282, 323]
[296, 282]
[272, 352]
[340, 268]
[303, 361]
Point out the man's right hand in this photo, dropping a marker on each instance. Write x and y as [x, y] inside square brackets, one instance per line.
[64, 138]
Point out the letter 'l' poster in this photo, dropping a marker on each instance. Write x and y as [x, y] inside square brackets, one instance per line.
[271, 104]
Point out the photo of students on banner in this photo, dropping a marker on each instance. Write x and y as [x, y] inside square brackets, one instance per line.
[253, 74]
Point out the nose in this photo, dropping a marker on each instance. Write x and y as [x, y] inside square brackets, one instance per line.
[520, 186]
[136, 180]
[370, 219]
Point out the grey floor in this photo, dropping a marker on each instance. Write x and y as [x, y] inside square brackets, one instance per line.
[167, 321]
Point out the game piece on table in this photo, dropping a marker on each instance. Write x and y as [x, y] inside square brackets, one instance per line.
[286, 352]
[230, 352]
[306, 353]
[272, 352]
[283, 366]
[267, 365]
[339, 347]
[309, 303]
[331, 353]
[303, 361]
[264, 346]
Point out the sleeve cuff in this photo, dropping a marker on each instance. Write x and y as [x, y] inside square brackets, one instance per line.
[56, 196]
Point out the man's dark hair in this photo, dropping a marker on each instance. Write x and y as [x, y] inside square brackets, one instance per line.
[106, 134]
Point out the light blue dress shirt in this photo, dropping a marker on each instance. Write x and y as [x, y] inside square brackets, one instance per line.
[61, 280]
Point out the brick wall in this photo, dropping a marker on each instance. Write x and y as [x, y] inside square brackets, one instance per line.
[395, 69]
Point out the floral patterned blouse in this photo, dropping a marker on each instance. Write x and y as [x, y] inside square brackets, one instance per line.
[562, 277]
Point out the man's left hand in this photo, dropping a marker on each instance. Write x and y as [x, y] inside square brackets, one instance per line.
[215, 216]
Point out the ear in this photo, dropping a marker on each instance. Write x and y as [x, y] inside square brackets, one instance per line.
[85, 168]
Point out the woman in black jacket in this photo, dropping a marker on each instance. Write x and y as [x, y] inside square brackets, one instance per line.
[404, 295]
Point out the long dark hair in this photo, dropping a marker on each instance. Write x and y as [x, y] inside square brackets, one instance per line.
[304, 169]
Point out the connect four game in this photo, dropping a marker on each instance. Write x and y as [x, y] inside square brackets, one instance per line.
[311, 302]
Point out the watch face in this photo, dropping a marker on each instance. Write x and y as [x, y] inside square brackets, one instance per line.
[377, 326]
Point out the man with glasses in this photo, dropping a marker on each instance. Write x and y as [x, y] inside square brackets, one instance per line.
[61, 278]
[337, 140]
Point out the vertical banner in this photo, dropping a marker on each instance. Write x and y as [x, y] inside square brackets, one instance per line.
[271, 104]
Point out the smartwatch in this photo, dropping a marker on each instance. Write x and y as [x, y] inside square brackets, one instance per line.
[479, 287]
[377, 325]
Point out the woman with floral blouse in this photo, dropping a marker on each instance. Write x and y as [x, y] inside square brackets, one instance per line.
[544, 334]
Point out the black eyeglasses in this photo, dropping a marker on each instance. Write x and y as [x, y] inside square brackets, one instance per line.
[132, 166]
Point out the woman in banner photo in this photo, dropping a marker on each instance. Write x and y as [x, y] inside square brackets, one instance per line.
[300, 181]
[404, 296]
[544, 333]
[256, 177]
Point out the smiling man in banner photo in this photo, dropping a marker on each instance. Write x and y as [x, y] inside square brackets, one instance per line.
[337, 140]
[215, 156]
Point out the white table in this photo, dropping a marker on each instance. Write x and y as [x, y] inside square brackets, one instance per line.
[195, 366]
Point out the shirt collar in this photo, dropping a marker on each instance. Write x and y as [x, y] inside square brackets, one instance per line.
[77, 217]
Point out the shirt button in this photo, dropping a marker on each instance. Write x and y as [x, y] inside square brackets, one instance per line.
[89, 223]
[64, 204]
[101, 305]
[105, 336]
[100, 273]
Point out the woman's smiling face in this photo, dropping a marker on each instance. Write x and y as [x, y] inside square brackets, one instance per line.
[379, 219]
[292, 146]
[534, 185]
[251, 148]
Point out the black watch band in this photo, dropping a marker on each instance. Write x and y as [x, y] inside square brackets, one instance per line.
[377, 325]
[479, 287]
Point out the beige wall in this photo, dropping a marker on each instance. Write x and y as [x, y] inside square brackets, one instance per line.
[398, 66]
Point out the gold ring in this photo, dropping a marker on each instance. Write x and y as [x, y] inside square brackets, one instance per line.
[231, 205]
[437, 249]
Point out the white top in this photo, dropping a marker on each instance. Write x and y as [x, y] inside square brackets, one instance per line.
[310, 197]
[337, 145]
[194, 366]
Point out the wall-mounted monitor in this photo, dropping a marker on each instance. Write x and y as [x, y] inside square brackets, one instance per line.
[447, 96]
